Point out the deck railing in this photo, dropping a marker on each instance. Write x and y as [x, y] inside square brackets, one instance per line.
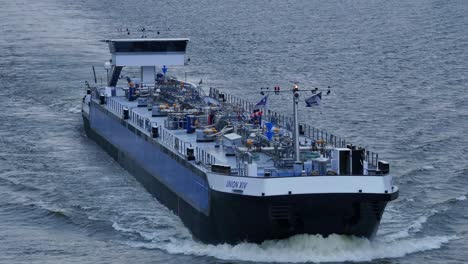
[204, 157]
[115, 106]
[207, 159]
[166, 137]
[173, 142]
[288, 123]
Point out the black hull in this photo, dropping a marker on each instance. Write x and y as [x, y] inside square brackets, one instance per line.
[261, 218]
[234, 218]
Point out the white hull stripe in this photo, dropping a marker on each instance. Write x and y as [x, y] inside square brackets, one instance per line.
[254, 186]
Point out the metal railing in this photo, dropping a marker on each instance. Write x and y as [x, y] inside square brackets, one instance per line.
[115, 106]
[137, 119]
[177, 144]
[166, 137]
[288, 123]
[207, 159]
[204, 157]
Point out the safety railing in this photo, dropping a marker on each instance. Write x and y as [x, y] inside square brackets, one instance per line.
[177, 144]
[115, 106]
[166, 137]
[204, 157]
[288, 123]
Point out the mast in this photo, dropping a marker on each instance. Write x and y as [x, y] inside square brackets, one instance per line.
[295, 129]
[296, 122]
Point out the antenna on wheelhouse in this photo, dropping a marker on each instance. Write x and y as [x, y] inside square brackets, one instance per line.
[143, 31]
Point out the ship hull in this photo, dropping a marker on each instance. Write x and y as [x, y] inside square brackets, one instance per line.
[232, 217]
[198, 222]
[255, 219]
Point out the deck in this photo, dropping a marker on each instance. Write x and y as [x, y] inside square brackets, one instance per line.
[207, 153]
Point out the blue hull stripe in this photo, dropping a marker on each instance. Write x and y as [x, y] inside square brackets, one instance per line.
[180, 179]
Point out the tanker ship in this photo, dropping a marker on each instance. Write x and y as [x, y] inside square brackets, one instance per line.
[231, 169]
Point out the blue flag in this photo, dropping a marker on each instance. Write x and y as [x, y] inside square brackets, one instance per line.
[263, 102]
[269, 130]
[314, 100]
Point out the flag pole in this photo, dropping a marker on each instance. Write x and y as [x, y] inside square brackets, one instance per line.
[295, 91]
[296, 122]
[265, 111]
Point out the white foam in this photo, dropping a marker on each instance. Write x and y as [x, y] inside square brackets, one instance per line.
[414, 227]
[418, 223]
[304, 248]
[161, 233]
[428, 167]
[461, 198]
[118, 227]
[74, 109]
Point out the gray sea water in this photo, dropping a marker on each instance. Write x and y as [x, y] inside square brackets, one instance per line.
[398, 74]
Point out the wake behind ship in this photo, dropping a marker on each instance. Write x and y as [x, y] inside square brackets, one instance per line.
[231, 170]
